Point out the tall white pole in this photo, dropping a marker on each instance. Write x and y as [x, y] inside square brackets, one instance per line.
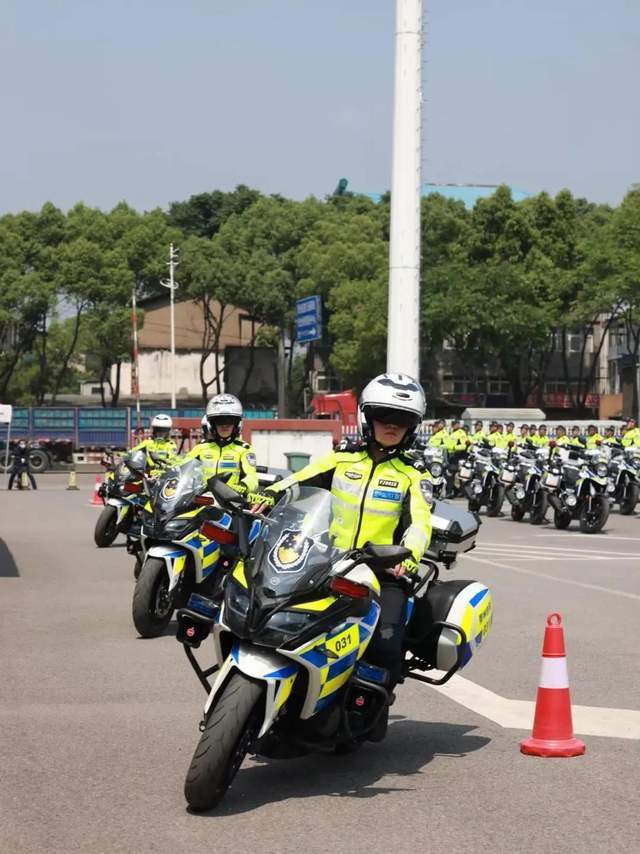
[135, 365]
[403, 334]
[171, 284]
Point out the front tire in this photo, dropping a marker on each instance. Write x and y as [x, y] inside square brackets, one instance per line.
[106, 529]
[495, 503]
[230, 731]
[517, 512]
[152, 603]
[561, 519]
[628, 504]
[539, 509]
[593, 522]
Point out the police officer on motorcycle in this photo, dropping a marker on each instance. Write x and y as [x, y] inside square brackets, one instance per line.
[631, 435]
[160, 443]
[21, 466]
[382, 495]
[222, 451]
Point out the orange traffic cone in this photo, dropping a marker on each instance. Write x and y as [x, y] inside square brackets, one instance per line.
[96, 501]
[553, 725]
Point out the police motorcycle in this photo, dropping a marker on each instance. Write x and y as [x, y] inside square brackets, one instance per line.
[480, 475]
[576, 484]
[122, 496]
[435, 461]
[177, 558]
[624, 478]
[521, 476]
[291, 632]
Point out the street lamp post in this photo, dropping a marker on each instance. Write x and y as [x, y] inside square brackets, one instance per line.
[173, 286]
[403, 332]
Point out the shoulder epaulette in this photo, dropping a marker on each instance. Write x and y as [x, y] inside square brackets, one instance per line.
[350, 444]
[242, 443]
[412, 459]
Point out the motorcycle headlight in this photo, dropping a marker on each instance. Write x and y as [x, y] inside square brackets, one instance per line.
[602, 470]
[284, 626]
[477, 488]
[571, 500]
[436, 469]
[178, 527]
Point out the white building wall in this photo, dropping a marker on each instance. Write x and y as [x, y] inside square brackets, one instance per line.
[271, 446]
[155, 373]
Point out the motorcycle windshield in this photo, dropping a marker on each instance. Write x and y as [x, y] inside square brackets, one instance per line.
[293, 551]
[175, 489]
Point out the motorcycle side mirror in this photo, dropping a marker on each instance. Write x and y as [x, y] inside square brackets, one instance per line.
[385, 557]
[225, 494]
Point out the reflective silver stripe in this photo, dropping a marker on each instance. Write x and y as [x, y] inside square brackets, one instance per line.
[352, 487]
[416, 536]
[343, 503]
[391, 513]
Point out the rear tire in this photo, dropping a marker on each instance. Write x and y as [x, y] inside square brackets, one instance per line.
[106, 529]
[152, 604]
[230, 731]
[38, 461]
[561, 519]
[594, 522]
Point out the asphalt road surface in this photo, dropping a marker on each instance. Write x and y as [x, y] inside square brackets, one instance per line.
[97, 727]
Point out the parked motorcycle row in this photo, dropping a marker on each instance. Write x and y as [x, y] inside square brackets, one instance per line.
[289, 616]
[575, 484]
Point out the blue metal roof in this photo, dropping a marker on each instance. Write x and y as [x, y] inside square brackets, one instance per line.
[467, 193]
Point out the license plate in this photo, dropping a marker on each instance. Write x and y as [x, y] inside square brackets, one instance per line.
[507, 476]
[465, 472]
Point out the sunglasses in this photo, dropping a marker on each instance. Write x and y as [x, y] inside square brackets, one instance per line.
[394, 416]
[223, 422]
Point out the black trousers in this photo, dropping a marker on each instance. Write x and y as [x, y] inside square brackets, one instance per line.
[387, 644]
[17, 473]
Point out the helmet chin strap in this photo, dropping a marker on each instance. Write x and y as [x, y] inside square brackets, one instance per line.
[382, 450]
[219, 439]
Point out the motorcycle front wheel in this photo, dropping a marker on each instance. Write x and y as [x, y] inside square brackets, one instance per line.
[539, 509]
[628, 504]
[562, 519]
[230, 731]
[152, 603]
[494, 506]
[593, 521]
[517, 512]
[106, 529]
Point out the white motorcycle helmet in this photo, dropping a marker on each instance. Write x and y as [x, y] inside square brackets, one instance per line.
[204, 426]
[224, 409]
[392, 399]
[161, 425]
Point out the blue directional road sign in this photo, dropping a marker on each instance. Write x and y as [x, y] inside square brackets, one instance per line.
[308, 319]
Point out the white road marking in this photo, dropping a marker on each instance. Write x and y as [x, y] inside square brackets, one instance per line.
[518, 714]
[559, 578]
[544, 556]
[591, 536]
[506, 546]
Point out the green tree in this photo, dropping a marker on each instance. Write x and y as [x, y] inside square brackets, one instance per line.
[204, 214]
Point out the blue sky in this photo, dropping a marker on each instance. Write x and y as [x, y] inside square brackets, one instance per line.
[151, 101]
